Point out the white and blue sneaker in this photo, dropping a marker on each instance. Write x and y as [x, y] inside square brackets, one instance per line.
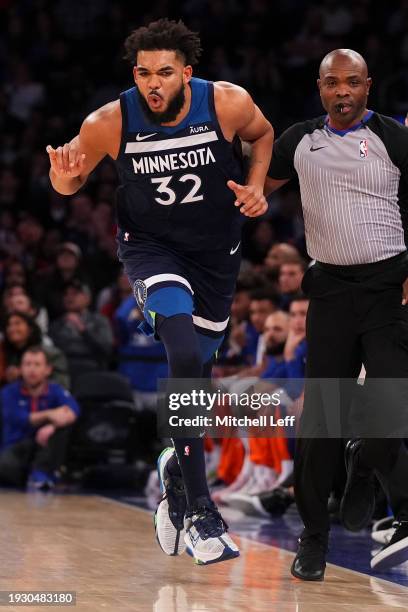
[206, 535]
[169, 516]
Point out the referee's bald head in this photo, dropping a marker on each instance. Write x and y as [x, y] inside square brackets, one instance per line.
[342, 57]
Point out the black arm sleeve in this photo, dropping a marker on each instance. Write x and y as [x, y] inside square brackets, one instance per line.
[282, 162]
[395, 138]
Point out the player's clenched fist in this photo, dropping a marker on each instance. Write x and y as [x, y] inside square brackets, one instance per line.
[66, 161]
[252, 198]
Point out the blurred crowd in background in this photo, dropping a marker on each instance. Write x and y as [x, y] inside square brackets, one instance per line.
[62, 287]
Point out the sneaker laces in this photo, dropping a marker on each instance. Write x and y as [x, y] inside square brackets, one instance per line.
[208, 521]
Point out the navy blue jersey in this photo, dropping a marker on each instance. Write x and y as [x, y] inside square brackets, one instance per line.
[174, 179]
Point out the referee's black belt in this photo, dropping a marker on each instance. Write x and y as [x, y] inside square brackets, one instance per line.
[356, 270]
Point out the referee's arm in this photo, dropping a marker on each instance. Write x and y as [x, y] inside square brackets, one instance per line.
[282, 168]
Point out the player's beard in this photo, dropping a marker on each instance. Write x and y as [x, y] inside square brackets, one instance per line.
[170, 114]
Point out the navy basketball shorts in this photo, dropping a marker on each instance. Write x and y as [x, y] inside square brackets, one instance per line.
[168, 282]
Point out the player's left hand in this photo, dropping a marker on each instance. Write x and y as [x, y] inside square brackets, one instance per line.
[252, 198]
[405, 292]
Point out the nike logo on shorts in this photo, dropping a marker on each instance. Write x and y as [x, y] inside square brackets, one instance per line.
[233, 251]
[317, 148]
[139, 137]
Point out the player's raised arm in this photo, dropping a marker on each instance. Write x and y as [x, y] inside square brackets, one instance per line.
[239, 115]
[72, 162]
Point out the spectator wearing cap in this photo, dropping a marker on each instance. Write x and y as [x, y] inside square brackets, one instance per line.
[84, 336]
[50, 285]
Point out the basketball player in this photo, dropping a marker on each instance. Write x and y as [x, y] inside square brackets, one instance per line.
[352, 166]
[181, 203]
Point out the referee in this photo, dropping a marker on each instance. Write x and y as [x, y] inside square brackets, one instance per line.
[352, 166]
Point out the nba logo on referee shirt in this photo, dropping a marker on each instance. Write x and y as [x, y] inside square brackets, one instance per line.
[186, 451]
[363, 148]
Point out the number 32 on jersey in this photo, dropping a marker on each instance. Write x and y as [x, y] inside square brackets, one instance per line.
[169, 195]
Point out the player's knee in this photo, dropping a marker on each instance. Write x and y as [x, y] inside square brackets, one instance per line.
[182, 346]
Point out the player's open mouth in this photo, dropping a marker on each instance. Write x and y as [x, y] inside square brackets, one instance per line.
[155, 100]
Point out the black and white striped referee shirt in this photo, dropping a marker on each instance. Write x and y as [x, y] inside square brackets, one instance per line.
[353, 184]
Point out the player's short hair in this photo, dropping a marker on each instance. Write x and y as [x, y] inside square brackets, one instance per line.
[164, 34]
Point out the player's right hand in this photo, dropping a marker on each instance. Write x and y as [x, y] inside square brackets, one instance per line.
[66, 161]
[251, 196]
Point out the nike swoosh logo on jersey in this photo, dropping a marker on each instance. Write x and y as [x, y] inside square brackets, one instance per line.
[233, 251]
[317, 148]
[139, 137]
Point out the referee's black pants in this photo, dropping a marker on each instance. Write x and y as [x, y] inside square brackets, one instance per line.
[355, 317]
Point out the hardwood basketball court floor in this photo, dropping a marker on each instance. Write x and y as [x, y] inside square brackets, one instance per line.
[104, 549]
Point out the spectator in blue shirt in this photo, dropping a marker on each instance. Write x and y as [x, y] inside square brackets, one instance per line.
[295, 347]
[141, 359]
[286, 362]
[263, 302]
[36, 415]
